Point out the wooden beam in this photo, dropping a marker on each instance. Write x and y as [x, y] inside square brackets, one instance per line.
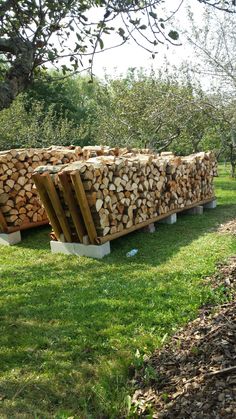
[38, 180]
[56, 203]
[73, 206]
[84, 206]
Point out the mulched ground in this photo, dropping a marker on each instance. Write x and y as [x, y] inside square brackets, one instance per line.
[194, 375]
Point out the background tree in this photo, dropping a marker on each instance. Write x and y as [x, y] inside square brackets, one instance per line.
[72, 98]
[214, 46]
[36, 32]
[158, 112]
[139, 110]
[37, 128]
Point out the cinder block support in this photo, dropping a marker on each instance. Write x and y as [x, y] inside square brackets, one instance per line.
[150, 228]
[91, 250]
[10, 239]
[211, 205]
[171, 219]
[198, 210]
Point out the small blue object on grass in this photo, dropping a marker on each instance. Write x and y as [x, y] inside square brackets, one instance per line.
[132, 252]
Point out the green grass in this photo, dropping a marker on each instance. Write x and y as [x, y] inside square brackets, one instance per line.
[71, 328]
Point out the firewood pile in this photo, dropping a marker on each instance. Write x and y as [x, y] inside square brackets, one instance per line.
[20, 206]
[107, 196]
[19, 202]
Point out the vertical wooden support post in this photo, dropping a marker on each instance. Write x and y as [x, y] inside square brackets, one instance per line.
[38, 180]
[56, 203]
[73, 206]
[3, 224]
[84, 206]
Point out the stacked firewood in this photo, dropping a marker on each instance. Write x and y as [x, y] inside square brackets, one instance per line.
[19, 201]
[130, 188]
[20, 205]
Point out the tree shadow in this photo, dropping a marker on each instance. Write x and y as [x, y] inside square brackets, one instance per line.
[153, 248]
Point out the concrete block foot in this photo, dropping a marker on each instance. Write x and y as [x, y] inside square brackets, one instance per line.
[150, 228]
[79, 249]
[171, 219]
[211, 205]
[198, 210]
[9, 239]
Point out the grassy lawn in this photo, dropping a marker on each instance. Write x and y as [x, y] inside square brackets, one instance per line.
[71, 328]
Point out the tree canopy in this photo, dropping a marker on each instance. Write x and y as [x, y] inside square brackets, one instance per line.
[34, 33]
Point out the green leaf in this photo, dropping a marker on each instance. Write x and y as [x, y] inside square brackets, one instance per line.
[51, 55]
[173, 35]
[101, 43]
[135, 22]
[121, 32]
[152, 14]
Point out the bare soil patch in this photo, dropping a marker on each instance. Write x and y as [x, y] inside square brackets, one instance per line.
[194, 375]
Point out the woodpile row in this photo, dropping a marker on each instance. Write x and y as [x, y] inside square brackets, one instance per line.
[20, 206]
[108, 196]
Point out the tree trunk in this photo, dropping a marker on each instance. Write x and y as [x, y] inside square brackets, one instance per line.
[233, 152]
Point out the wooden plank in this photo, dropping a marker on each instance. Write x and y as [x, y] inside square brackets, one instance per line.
[84, 206]
[56, 203]
[3, 223]
[73, 206]
[38, 180]
[110, 237]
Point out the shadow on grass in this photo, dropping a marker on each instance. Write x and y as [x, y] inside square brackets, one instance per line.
[37, 238]
[187, 229]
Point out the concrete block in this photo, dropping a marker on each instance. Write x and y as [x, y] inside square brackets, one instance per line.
[211, 205]
[9, 239]
[171, 219]
[198, 210]
[150, 228]
[79, 249]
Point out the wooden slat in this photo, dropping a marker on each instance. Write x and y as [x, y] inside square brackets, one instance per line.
[38, 180]
[3, 224]
[56, 203]
[110, 237]
[84, 206]
[73, 206]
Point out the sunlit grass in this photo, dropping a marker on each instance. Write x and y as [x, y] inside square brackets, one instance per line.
[70, 326]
